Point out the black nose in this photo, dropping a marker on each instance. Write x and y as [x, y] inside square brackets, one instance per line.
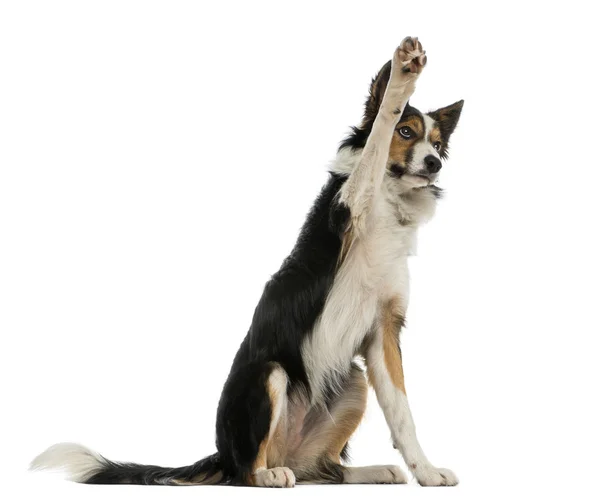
[433, 164]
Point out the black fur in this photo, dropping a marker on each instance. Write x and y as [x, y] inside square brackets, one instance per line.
[345, 453]
[359, 135]
[447, 118]
[436, 191]
[291, 303]
[134, 474]
[409, 156]
[357, 138]
[397, 171]
[327, 471]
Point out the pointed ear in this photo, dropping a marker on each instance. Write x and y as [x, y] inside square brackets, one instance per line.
[376, 92]
[447, 118]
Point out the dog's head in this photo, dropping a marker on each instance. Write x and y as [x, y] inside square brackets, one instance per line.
[420, 141]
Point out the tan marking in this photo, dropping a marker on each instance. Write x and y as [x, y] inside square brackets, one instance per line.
[415, 123]
[329, 432]
[276, 388]
[435, 134]
[399, 146]
[347, 414]
[391, 323]
[260, 462]
[277, 448]
[347, 419]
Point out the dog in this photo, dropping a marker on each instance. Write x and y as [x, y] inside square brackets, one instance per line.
[296, 393]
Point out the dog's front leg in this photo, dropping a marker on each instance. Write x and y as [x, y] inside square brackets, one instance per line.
[386, 375]
[360, 192]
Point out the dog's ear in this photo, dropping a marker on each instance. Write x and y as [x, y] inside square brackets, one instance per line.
[447, 118]
[376, 92]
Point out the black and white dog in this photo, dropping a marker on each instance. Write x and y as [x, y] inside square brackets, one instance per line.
[295, 393]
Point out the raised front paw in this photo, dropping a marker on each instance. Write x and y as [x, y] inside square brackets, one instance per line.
[432, 476]
[410, 56]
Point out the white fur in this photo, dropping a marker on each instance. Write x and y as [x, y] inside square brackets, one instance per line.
[375, 268]
[423, 148]
[352, 304]
[277, 477]
[277, 383]
[386, 474]
[375, 271]
[78, 462]
[345, 161]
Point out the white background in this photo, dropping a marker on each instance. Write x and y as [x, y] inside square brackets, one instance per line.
[157, 160]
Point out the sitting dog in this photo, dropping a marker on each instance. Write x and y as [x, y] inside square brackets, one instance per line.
[296, 393]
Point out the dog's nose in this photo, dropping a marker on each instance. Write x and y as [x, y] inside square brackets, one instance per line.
[433, 164]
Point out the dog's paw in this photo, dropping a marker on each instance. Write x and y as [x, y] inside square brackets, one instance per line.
[392, 474]
[432, 476]
[277, 477]
[410, 56]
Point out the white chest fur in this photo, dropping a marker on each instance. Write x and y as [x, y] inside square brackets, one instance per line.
[374, 271]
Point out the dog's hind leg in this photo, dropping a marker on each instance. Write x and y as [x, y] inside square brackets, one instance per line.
[252, 426]
[262, 474]
[363, 185]
[324, 439]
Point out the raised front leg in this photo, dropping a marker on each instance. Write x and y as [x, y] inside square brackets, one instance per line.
[384, 368]
[365, 181]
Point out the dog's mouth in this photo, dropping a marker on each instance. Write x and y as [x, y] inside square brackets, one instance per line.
[397, 171]
[425, 177]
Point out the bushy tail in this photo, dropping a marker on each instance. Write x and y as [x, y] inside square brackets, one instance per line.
[86, 466]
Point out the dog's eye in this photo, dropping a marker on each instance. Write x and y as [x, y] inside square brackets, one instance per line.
[437, 145]
[406, 132]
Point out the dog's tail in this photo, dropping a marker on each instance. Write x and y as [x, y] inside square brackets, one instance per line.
[86, 466]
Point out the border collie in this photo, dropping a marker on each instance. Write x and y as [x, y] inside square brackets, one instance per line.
[295, 393]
